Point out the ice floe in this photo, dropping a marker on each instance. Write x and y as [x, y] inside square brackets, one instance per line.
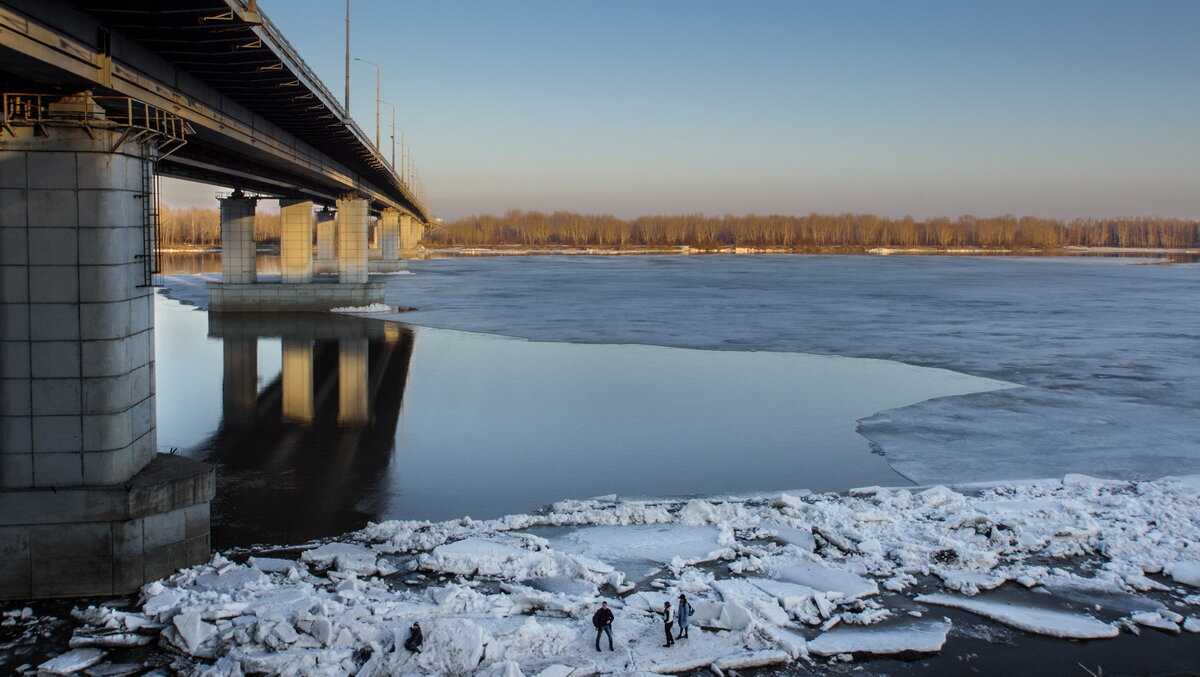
[920, 636]
[1029, 618]
[772, 579]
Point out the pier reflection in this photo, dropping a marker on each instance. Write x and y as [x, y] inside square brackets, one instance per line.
[296, 458]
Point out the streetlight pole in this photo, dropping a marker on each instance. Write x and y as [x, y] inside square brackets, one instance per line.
[377, 71]
[393, 107]
[347, 99]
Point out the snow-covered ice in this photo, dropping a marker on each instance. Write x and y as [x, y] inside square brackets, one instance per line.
[649, 542]
[71, 662]
[499, 599]
[371, 309]
[1029, 618]
[917, 636]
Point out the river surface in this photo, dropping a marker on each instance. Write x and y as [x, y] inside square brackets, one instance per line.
[456, 423]
[676, 376]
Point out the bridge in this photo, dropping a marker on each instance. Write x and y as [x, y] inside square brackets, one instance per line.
[101, 97]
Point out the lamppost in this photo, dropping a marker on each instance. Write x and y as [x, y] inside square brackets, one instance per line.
[377, 71]
[347, 99]
[393, 107]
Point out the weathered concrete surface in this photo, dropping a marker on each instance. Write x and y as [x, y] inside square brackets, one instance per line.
[326, 261]
[86, 507]
[76, 330]
[105, 540]
[286, 297]
[296, 240]
[238, 254]
[352, 224]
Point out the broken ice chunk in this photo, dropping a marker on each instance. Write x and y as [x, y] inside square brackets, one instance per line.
[70, 662]
[1187, 573]
[923, 637]
[1031, 619]
[820, 577]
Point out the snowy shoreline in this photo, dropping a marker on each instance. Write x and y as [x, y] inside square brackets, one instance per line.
[774, 579]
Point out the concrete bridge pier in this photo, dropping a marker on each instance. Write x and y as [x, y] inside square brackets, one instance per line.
[389, 244]
[411, 231]
[326, 261]
[87, 507]
[295, 241]
[241, 290]
[352, 213]
[238, 253]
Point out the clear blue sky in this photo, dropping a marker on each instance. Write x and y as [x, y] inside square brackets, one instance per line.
[1071, 108]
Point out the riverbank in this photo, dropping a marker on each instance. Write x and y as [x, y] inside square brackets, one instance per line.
[437, 251]
[809, 582]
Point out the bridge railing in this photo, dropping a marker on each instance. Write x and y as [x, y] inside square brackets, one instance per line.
[139, 120]
[409, 184]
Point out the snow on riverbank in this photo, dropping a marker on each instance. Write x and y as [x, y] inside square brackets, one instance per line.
[495, 598]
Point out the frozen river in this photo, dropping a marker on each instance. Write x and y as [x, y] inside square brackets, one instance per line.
[710, 375]
[1108, 350]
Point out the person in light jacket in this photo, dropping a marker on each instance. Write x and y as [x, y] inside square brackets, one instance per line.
[668, 621]
[685, 616]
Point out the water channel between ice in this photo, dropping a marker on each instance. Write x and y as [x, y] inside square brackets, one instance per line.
[474, 424]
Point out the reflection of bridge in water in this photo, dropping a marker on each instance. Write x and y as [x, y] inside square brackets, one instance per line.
[299, 459]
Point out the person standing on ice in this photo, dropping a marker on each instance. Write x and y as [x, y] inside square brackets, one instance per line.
[668, 621]
[413, 643]
[685, 616]
[603, 620]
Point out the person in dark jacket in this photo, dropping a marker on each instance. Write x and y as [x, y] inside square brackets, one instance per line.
[685, 616]
[603, 620]
[668, 620]
[413, 643]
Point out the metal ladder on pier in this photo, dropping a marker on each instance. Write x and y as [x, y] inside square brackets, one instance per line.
[150, 245]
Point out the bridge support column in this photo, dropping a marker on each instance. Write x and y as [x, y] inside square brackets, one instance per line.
[238, 264]
[297, 378]
[86, 506]
[326, 243]
[389, 243]
[353, 404]
[295, 240]
[411, 231]
[352, 239]
[374, 241]
[297, 291]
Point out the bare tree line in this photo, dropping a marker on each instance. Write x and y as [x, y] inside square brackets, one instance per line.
[203, 226]
[535, 228]
[541, 229]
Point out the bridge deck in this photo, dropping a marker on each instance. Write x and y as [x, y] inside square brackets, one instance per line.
[263, 120]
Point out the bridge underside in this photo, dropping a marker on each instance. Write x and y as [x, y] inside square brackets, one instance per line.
[262, 119]
[87, 506]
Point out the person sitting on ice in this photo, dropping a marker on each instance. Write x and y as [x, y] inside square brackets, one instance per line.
[413, 643]
[685, 612]
[603, 620]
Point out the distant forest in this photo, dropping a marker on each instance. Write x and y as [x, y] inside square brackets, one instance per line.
[812, 231]
[540, 229]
